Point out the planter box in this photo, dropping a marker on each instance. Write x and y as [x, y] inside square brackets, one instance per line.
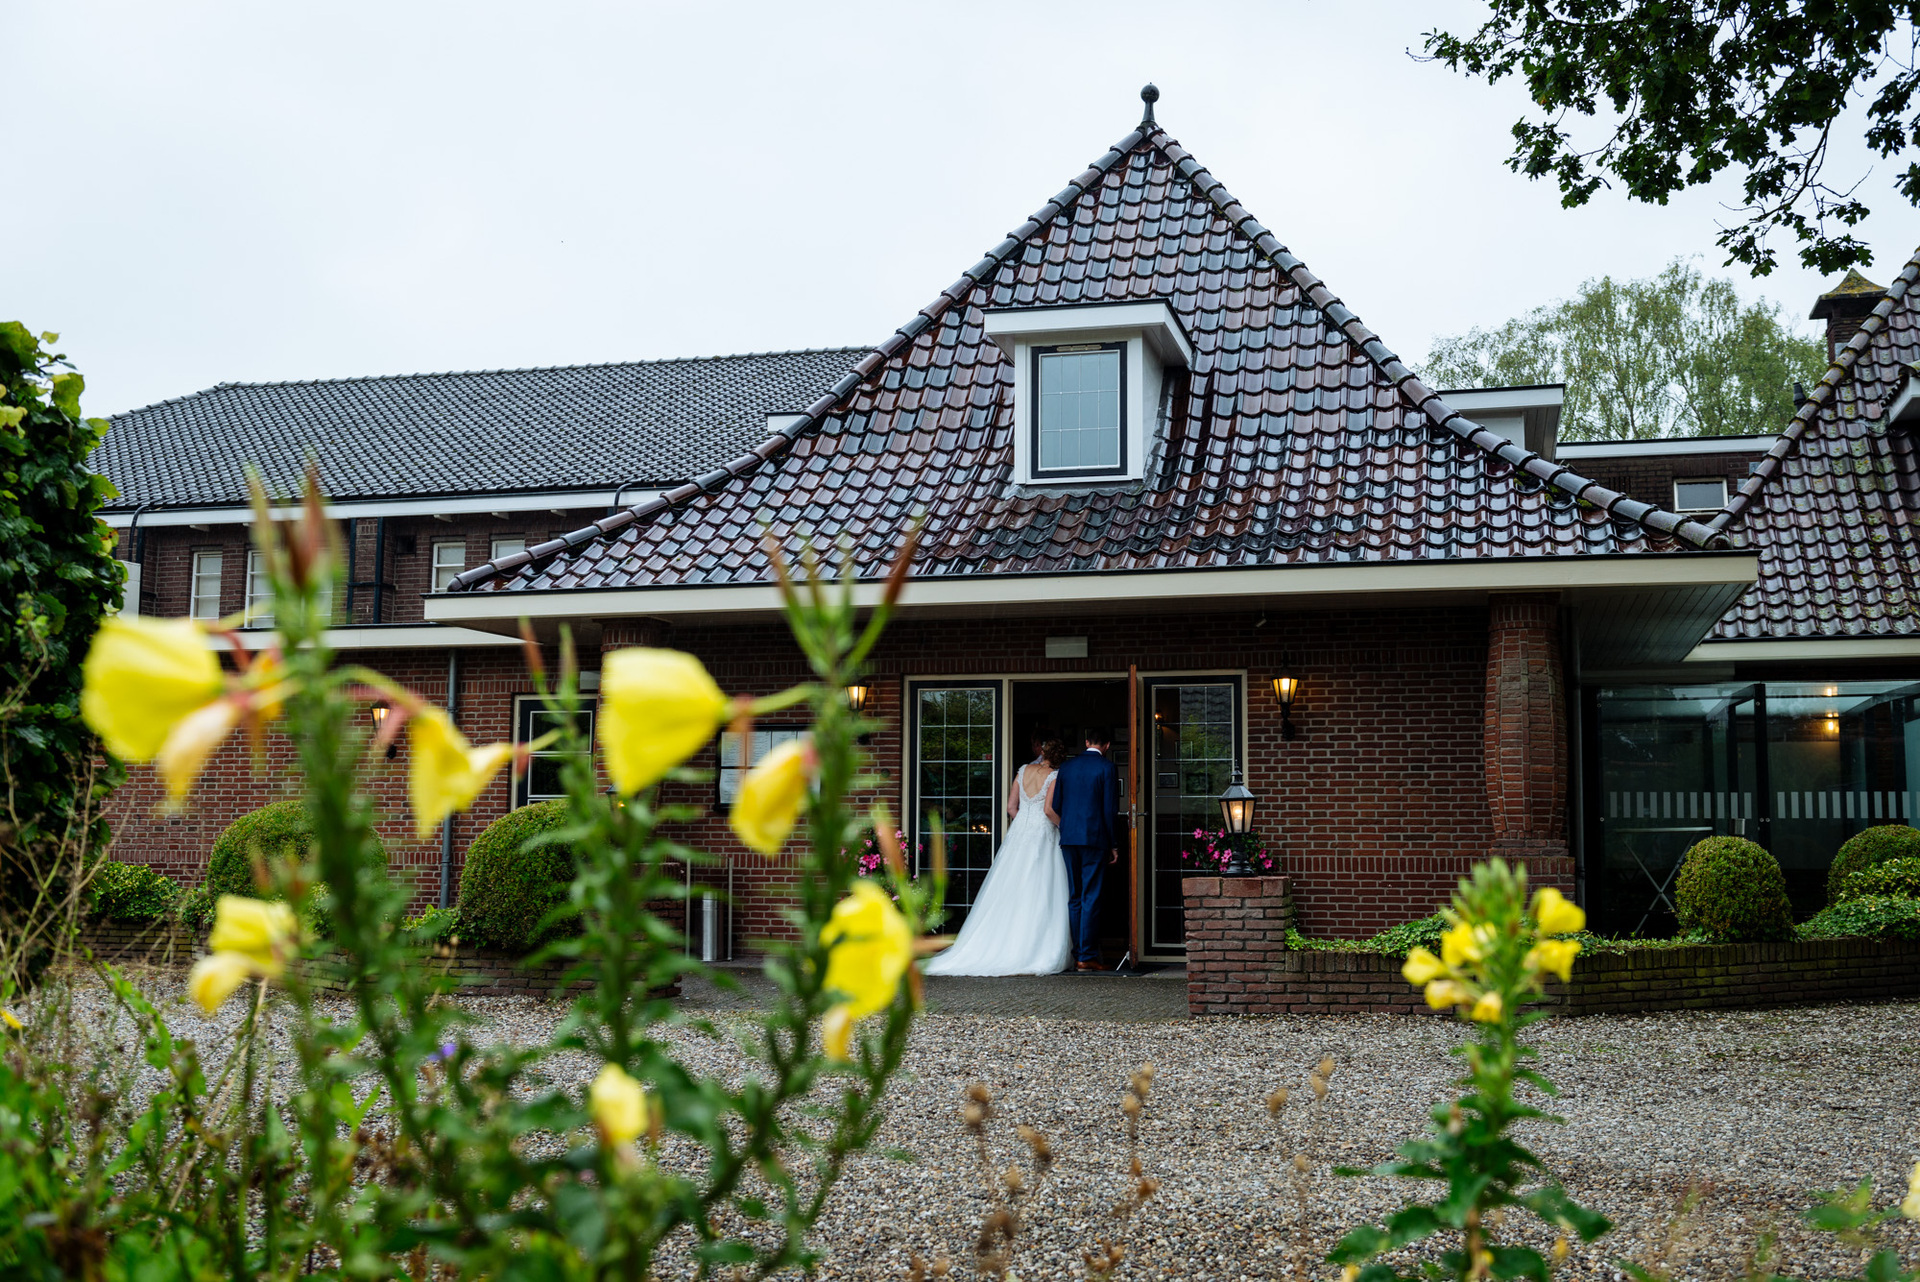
[1238, 964]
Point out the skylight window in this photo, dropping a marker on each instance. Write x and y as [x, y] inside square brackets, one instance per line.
[1077, 431]
[1706, 495]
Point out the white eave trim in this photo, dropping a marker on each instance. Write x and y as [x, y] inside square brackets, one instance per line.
[399, 636]
[1512, 400]
[1809, 648]
[1568, 450]
[1165, 587]
[1155, 320]
[453, 505]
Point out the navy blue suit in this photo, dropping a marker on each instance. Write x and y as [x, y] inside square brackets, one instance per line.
[1086, 796]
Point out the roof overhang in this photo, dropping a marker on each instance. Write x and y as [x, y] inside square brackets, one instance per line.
[1905, 406]
[444, 505]
[1791, 649]
[1633, 609]
[1162, 330]
[378, 636]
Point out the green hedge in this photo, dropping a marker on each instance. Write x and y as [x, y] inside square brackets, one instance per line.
[1734, 890]
[1868, 849]
[508, 885]
[1869, 917]
[282, 831]
[131, 892]
[1895, 879]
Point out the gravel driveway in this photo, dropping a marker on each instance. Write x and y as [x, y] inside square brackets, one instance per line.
[1764, 1107]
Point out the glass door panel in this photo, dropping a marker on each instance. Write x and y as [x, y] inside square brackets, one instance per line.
[957, 775]
[1194, 742]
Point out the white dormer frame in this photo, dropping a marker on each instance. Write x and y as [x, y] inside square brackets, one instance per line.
[1155, 342]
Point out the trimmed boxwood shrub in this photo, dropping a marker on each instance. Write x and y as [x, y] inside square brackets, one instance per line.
[506, 888]
[131, 892]
[1895, 879]
[1866, 850]
[1734, 890]
[1869, 917]
[280, 831]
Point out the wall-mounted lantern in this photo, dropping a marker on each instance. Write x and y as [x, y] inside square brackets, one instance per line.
[379, 711]
[857, 697]
[1286, 687]
[1236, 807]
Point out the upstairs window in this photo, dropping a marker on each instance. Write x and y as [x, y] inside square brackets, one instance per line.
[507, 547]
[204, 601]
[1705, 495]
[1081, 410]
[449, 559]
[259, 592]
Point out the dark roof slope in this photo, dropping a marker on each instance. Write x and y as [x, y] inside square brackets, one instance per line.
[1834, 508]
[581, 426]
[1298, 437]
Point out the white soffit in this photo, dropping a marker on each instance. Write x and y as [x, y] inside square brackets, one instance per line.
[1155, 320]
[1672, 446]
[402, 636]
[1806, 648]
[1510, 400]
[453, 505]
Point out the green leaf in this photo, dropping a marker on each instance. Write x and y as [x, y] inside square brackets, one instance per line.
[67, 387]
[731, 1251]
[1519, 1262]
[1885, 1267]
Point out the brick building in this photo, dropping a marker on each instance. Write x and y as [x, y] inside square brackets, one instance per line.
[1161, 465]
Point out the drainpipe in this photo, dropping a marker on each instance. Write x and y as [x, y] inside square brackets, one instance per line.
[617, 494]
[353, 565]
[137, 541]
[379, 566]
[446, 827]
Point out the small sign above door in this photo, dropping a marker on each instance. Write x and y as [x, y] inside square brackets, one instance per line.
[1066, 647]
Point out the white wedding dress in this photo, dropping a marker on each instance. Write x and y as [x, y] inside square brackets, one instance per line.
[1018, 925]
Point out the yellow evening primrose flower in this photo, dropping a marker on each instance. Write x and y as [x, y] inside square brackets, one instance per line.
[215, 976]
[770, 797]
[195, 736]
[1487, 1009]
[11, 1020]
[1910, 1205]
[657, 708]
[871, 947]
[1422, 967]
[1459, 946]
[619, 1105]
[141, 678]
[1442, 993]
[1555, 956]
[1555, 914]
[446, 772]
[260, 931]
[836, 1031]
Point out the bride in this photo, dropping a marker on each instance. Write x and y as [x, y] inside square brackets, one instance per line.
[1018, 925]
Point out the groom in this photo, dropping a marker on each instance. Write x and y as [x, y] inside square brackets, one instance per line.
[1086, 795]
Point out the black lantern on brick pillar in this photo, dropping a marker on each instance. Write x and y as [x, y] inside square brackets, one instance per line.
[1285, 687]
[1236, 807]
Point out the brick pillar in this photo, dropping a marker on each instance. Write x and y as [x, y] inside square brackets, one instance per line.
[1236, 944]
[1526, 735]
[619, 634]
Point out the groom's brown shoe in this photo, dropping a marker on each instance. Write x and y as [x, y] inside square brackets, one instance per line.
[1093, 965]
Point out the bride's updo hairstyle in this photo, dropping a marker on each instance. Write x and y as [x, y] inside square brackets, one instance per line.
[1055, 752]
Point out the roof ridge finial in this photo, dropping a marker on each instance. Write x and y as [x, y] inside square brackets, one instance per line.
[1149, 95]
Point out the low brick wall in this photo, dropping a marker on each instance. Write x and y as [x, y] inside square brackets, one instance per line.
[482, 972]
[1235, 967]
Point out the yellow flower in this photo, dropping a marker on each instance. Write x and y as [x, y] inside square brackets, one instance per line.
[1487, 1009]
[260, 932]
[1555, 915]
[771, 796]
[619, 1105]
[1442, 993]
[1910, 1205]
[215, 976]
[657, 708]
[1555, 956]
[446, 772]
[871, 947]
[182, 757]
[1459, 946]
[1422, 967]
[11, 1020]
[142, 677]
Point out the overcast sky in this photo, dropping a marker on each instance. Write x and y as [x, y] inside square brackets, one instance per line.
[247, 191]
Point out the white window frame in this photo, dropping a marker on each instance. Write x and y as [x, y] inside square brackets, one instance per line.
[1679, 481]
[527, 711]
[206, 573]
[259, 589]
[506, 545]
[443, 573]
[731, 772]
[1037, 355]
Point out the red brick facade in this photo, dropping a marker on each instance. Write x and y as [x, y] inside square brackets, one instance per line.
[1378, 806]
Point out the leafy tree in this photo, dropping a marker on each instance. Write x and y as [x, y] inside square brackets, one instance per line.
[57, 577]
[1674, 355]
[1692, 89]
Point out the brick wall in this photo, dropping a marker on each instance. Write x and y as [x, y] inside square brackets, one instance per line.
[1650, 477]
[1237, 970]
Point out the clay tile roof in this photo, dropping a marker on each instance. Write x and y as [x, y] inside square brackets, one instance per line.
[1297, 437]
[485, 431]
[1833, 509]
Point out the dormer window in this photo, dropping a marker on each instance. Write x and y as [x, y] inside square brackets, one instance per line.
[1087, 387]
[1078, 430]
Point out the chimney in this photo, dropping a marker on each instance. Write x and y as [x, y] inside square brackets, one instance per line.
[1845, 308]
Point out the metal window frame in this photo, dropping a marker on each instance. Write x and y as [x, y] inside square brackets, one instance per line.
[1034, 424]
[1152, 950]
[911, 748]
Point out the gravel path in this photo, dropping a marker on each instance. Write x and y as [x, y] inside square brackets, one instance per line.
[1766, 1107]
